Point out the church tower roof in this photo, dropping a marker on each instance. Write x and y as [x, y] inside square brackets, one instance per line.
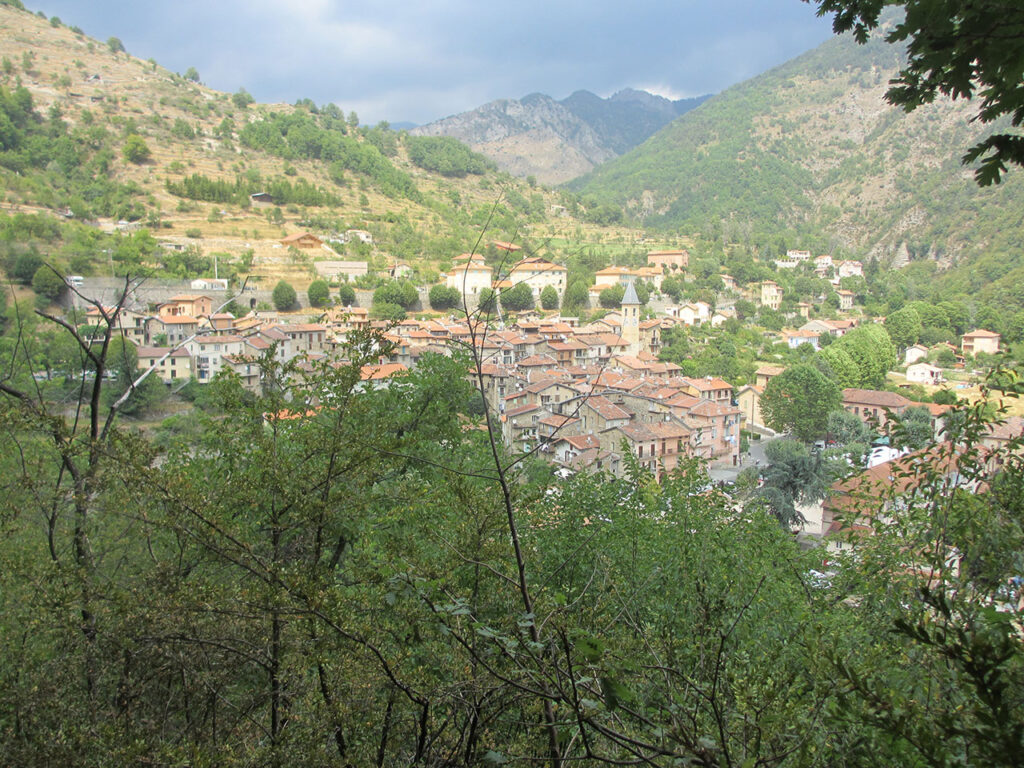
[630, 297]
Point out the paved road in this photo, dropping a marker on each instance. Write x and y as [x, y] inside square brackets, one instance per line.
[754, 457]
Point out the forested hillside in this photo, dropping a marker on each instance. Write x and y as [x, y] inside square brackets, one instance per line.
[810, 153]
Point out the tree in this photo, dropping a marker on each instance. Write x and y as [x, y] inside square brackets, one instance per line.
[957, 49]
[793, 477]
[319, 294]
[443, 297]
[799, 401]
[242, 98]
[115, 45]
[47, 283]
[904, 327]
[135, 149]
[284, 296]
[549, 297]
[192, 74]
[386, 310]
[518, 298]
[26, 265]
[487, 301]
[400, 292]
[611, 297]
[912, 429]
[576, 298]
[347, 295]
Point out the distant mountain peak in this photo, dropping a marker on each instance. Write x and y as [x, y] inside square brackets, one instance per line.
[559, 140]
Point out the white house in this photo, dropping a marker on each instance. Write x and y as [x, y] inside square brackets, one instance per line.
[924, 373]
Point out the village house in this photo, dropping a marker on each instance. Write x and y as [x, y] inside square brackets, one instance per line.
[208, 354]
[849, 268]
[845, 300]
[771, 295]
[209, 284]
[539, 273]
[710, 387]
[176, 366]
[669, 261]
[980, 341]
[246, 368]
[302, 240]
[794, 338]
[748, 400]
[715, 431]
[766, 373]
[130, 324]
[469, 278]
[924, 373]
[914, 353]
[307, 338]
[174, 328]
[872, 406]
[186, 305]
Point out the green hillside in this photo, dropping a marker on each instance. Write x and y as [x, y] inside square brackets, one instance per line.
[810, 154]
[95, 142]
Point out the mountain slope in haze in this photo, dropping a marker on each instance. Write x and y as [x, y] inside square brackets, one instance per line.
[810, 153]
[629, 117]
[556, 141]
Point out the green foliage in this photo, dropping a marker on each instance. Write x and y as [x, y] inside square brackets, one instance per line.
[793, 477]
[319, 294]
[242, 98]
[135, 149]
[904, 327]
[799, 401]
[518, 298]
[443, 297]
[284, 297]
[115, 45]
[346, 295]
[386, 310]
[400, 292]
[912, 429]
[954, 49]
[549, 297]
[191, 74]
[445, 155]
[611, 298]
[182, 130]
[47, 283]
[487, 301]
[284, 192]
[576, 298]
[299, 135]
[859, 358]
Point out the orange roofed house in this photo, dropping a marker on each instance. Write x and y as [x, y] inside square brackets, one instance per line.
[302, 240]
[980, 341]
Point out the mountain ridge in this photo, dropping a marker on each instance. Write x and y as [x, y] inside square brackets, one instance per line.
[556, 141]
[810, 152]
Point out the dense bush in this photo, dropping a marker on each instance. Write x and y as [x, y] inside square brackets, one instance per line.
[445, 155]
[443, 297]
[284, 297]
[319, 294]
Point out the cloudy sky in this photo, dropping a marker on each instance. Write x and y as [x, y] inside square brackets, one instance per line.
[401, 60]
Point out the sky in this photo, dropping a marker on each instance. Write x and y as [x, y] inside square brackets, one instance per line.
[416, 62]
